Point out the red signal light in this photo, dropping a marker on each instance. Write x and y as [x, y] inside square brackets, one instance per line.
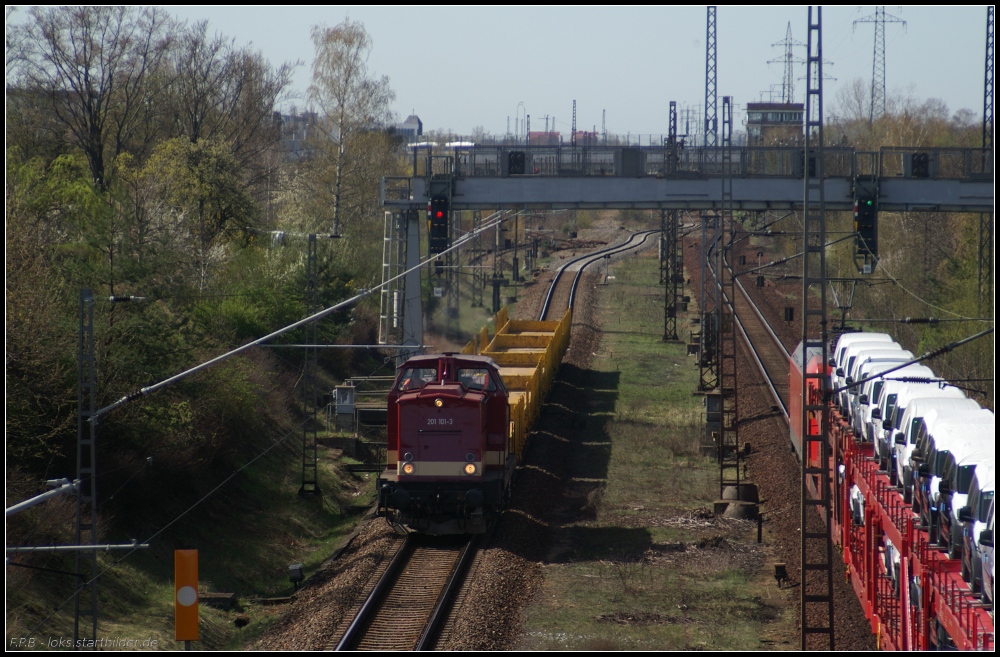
[437, 209]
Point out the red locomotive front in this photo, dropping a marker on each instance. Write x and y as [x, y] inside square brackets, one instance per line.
[448, 468]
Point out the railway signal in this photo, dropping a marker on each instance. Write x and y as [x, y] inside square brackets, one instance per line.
[437, 227]
[866, 224]
[866, 193]
[516, 164]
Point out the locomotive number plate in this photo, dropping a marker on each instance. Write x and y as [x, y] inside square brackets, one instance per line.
[440, 421]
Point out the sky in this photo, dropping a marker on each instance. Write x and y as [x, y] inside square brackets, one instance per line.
[462, 67]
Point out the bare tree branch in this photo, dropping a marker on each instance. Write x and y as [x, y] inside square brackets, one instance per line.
[94, 66]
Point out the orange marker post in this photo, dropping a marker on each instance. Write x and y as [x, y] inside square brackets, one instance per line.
[186, 595]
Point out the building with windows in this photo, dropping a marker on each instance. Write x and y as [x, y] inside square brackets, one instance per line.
[411, 128]
[774, 124]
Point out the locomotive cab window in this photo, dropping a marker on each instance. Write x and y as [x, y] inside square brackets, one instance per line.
[414, 378]
[476, 378]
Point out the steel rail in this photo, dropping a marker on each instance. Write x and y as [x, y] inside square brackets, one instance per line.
[746, 338]
[615, 251]
[370, 606]
[441, 608]
[598, 255]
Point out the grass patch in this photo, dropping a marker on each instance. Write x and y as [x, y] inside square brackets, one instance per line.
[651, 568]
[247, 534]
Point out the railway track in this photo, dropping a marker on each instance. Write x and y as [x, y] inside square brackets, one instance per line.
[562, 291]
[764, 347]
[408, 605]
[772, 467]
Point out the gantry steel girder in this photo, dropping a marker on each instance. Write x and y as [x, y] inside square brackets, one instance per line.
[764, 193]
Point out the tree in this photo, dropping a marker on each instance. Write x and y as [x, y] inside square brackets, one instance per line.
[201, 186]
[933, 257]
[14, 45]
[349, 99]
[46, 208]
[480, 135]
[95, 67]
[225, 93]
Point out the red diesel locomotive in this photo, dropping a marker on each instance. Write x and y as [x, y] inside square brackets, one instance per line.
[447, 435]
[458, 424]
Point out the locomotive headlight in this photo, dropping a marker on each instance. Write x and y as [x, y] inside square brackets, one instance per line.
[470, 468]
[408, 468]
[408, 456]
[439, 403]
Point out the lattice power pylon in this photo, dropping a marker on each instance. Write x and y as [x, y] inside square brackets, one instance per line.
[310, 437]
[986, 227]
[988, 88]
[664, 257]
[477, 256]
[789, 60]
[452, 276]
[85, 598]
[879, 18]
[708, 352]
[672, 276]
[497, 279]
[572, 138]
[671, 249]
[816, 546]
[673, 144]
[711, 86]
[729, 441]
